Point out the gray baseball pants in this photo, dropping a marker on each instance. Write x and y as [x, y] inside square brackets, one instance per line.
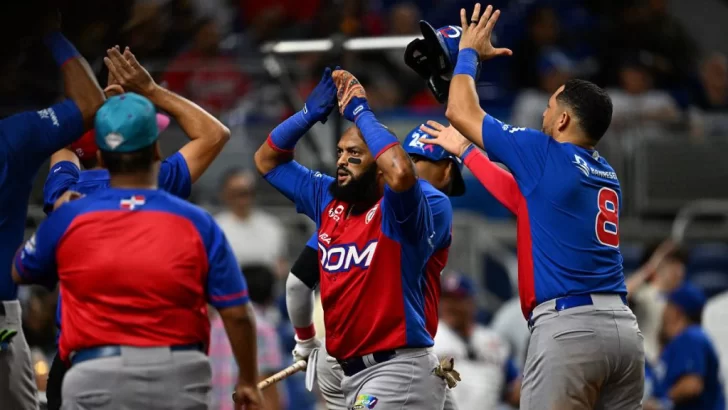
[18, 390]
[141, 378]
[329, 376]
[587, 357]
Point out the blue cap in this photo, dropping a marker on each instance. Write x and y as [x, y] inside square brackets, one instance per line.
[413, 146]
[126, 123]
[458, 285]
[689, 299]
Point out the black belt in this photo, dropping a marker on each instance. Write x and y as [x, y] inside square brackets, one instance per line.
[114, 351]
[356, 364]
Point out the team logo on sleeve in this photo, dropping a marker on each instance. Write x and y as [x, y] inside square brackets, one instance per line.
[365, 401]
[581, 165]
[132, 203]
[29, 247]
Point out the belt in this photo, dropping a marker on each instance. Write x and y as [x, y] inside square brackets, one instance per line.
[2, 309]
[568, 302]
[114, 351]
[356, 364]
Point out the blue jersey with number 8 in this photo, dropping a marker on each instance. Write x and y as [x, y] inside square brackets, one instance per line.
[571, 229]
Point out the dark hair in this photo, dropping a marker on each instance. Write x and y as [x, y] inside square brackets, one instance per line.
[590, 104]
[140, 160]
[261, 283]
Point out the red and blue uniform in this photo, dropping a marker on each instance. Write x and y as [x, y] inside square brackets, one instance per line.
[120, 254]
[568, 230]
[174, 177]
[372, 264]
[26, 141]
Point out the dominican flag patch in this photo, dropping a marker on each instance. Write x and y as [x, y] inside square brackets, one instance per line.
[132, 203]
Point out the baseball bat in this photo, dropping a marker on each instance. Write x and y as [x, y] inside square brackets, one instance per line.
[294, 368]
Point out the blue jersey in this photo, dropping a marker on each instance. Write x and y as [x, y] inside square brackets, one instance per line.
[26, 141]
[692, 352]
[137, 267]
[174, 177]
[571, 229]
[371, 263]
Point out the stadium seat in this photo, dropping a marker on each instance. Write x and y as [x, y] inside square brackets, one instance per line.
[708, 257]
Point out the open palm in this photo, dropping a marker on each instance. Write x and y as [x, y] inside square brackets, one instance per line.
[450, 139]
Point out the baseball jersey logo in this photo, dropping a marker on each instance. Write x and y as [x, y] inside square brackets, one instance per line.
[581, 165]
[335, 213]
[341, 258]
[371, 214]
[132, 203]
[365, 401]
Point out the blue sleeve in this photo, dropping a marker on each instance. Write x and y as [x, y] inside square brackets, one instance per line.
[688, 357]
[522, 150]
[226, 285]
[308, 189]
[35, 135]
[313, 241]
[60, 178]
[511, 371]
[36, 260]
[174, 176]
[408, 214]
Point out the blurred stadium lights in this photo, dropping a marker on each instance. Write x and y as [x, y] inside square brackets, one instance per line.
[352, 44]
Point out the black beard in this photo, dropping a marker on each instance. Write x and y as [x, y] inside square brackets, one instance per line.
[361, 190]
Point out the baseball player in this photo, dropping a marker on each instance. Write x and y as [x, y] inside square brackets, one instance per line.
[177, 173]
[688, 374]
[586, 350]
[135, 301]
[28, 139]
[440, 169]
[375, 235]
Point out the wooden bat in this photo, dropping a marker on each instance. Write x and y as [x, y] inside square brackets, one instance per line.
[292, 369]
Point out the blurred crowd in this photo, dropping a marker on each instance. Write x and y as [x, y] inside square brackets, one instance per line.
[661, 81]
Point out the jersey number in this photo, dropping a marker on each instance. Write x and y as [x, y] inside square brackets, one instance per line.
[607, 221]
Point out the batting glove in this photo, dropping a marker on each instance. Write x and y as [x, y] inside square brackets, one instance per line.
[321, 100]
[446, 371]
[6, 336]
[351, 95]
[304, 348]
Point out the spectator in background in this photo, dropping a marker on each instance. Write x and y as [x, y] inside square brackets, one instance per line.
[554, 69]
[543, 34]
[688, 373]
[255, 236]
[205, 75]
[709, 110]
[261, 284]
[640, 110]
[662, 271]
[483, 359]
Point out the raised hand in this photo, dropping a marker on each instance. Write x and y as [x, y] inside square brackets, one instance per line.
[351, 95]
[321, 100]
[128, 73]
[450, 139]
[478, 33]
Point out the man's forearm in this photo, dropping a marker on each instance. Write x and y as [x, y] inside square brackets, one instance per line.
[686, 388]
[195, 121]
[299, 302]
[278, 148]
[240, 327]
[78, 78]
[463, 105]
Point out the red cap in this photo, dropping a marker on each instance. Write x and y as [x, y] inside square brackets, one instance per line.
[85, 147]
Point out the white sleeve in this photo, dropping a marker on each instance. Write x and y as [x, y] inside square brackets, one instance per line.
[299, 302]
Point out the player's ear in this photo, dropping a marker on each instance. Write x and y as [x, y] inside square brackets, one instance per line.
[563, 121]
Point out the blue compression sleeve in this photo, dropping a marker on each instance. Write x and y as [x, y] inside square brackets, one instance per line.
[377, 137]
[60, 47]
[285, 136]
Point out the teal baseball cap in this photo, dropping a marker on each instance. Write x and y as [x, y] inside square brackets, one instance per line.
[126, 123]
